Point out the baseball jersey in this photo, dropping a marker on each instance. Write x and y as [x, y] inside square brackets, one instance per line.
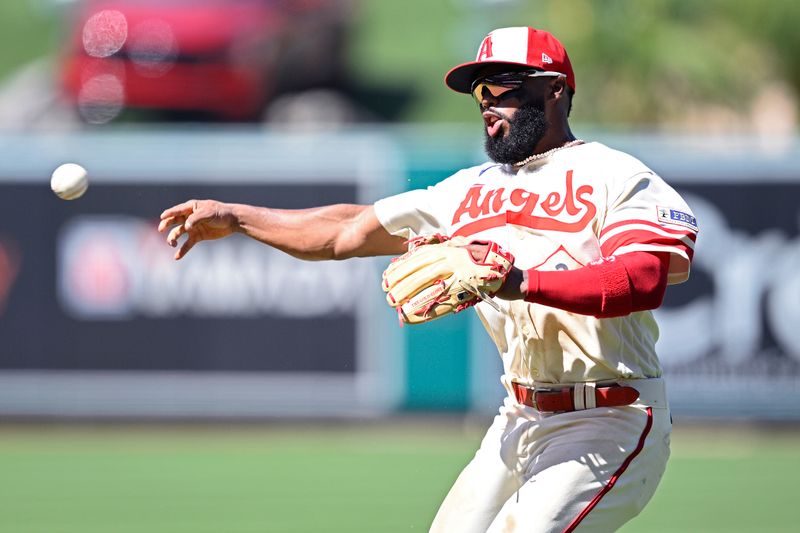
[576, 206]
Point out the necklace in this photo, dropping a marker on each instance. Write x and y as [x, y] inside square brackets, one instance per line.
[536, 157]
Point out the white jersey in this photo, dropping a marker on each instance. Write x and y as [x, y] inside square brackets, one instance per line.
[576, 206]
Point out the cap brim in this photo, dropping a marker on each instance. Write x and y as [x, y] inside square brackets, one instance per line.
[460, 78]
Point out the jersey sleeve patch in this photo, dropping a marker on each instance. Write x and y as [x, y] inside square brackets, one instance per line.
[667, 215]
[644, 235]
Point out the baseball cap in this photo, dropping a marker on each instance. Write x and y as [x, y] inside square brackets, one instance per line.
[516, 48]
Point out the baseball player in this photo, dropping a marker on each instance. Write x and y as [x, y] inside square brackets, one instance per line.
[582, 438]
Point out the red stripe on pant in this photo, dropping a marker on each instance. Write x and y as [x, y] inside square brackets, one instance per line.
[610, 484]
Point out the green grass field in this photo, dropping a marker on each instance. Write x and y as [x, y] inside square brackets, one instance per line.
[345, 478]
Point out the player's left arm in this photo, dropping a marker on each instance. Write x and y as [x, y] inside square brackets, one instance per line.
[647, 242]
[614, 286]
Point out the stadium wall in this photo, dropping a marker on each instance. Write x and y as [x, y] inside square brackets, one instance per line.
[96, 320]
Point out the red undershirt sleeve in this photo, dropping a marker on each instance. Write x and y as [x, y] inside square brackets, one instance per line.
[615, 286]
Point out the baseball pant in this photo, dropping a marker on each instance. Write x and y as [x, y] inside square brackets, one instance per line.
[590, 470]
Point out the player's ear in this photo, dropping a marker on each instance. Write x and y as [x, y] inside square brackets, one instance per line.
[558, 88]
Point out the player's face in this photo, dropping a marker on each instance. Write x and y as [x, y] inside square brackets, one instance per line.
[515, 121]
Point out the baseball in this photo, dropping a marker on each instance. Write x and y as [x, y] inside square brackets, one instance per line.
[69, 181]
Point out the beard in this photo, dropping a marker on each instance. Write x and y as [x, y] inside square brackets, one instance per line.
[525, 131]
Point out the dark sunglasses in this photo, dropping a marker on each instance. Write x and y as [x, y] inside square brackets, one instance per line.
[503, 83]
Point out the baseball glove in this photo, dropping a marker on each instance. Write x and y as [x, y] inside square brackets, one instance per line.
[439, 276]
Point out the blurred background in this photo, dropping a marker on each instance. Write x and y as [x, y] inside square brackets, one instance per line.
[240, 390]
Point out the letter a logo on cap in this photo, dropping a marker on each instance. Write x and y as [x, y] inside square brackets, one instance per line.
[485, 51]
[512, 48]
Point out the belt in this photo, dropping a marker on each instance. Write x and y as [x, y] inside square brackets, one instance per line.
[576, 397]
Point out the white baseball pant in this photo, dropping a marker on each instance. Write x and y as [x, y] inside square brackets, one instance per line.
[589, 470]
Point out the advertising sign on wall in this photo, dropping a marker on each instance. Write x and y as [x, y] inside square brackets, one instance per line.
[99, 319]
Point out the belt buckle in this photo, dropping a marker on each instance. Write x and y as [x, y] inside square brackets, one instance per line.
[537, 390]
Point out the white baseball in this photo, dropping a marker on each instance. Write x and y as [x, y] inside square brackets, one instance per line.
[69, 181]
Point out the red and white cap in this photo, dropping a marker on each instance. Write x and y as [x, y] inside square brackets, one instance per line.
[518, 48]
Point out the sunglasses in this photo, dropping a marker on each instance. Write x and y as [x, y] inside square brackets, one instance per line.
[499, 85]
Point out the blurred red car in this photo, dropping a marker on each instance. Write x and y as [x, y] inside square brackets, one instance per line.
[217, 58]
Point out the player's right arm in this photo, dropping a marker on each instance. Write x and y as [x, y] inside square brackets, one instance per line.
[332, 232]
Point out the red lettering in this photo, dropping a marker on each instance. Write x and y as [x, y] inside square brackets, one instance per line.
[568, 198]
[485, 49]
[487, 202]
[470, 205]
[490, 210]
[552, 224]
[524, 199]
[586, 190]
[497, 202]
[550, 205]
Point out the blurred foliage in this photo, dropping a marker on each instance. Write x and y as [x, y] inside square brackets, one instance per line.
[638, 62]
[29, 31]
